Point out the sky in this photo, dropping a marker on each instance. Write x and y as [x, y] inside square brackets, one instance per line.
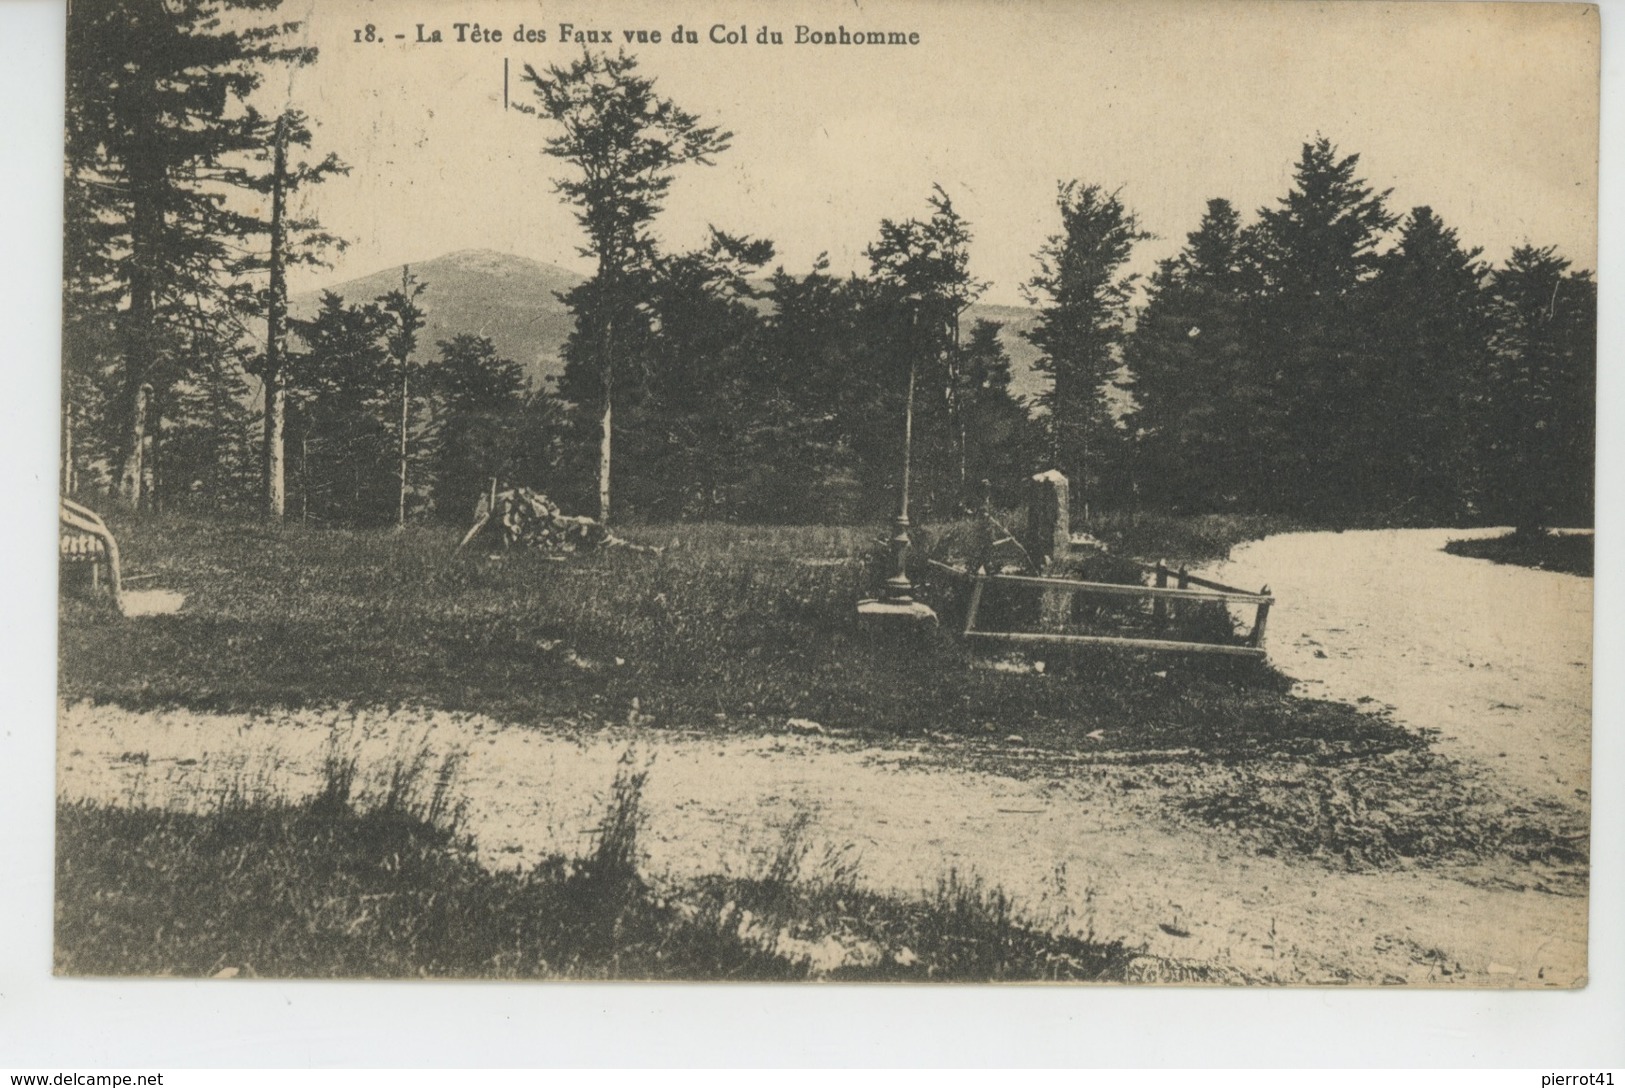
[1487, 113]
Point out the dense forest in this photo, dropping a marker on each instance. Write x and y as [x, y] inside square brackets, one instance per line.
[1328, 356]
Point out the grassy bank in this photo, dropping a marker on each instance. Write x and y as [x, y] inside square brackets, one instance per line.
[387, 886]
[1568, 553]
[730, 628]
[740, 629]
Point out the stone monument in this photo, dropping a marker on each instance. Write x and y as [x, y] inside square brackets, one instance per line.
[1049, 543]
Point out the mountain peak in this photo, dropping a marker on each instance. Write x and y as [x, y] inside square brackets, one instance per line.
[495, 262]
[512, 300]
[490, 258]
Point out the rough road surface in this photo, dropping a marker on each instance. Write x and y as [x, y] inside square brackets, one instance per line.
[1493, 657]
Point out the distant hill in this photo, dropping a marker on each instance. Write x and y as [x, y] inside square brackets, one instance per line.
[514, 301]
[1025, 381]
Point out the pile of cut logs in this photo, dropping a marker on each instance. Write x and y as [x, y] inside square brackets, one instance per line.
[519, 516]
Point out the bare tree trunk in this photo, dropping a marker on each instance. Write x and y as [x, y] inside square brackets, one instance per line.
[607, 369]
[400, 513]
[68, 480]
[155, 460]
[146, 227]
[275, 320]
[276, 495]
[956, 380]
[132, 473]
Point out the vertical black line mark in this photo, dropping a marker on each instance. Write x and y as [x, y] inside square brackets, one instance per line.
[504, 82]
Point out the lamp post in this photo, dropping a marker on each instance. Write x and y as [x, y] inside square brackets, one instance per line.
[896, 603]
[898, 589]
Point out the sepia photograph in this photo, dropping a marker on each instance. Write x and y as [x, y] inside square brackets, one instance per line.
[1017, 491]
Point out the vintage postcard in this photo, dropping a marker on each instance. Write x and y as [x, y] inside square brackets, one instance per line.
[1022, 491]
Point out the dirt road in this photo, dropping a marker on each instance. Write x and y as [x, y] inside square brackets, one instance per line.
[1493, 657]
[1074, 846]
[1497, 658]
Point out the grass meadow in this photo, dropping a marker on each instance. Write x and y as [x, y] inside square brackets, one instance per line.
[728, 629]
[731, 627]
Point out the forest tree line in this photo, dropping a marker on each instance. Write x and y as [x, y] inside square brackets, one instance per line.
[1326, 357]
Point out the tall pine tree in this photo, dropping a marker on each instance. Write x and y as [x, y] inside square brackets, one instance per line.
[997, 433]
[480, 405]
[923, 267]
[342, 409]
[1083, 297]
[625, 143]
[1318, 252]
[1193, 360]
[1429, 361]
[157, 114]
[685, 433]
[826, 415]
[1542, 441]
[292, 240]
[406, 319]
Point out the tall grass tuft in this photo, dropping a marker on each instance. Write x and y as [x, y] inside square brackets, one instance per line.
[615, 854]
[339, 885]
[338, 782]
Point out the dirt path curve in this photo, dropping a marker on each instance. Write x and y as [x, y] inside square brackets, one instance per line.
[1496, 657]
[1067, 840]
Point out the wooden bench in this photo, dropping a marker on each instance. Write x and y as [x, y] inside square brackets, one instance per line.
[85, 540]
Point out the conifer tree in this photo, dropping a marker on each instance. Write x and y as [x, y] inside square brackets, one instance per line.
[341, 410]
[923, 265]
[1318, 253]
[1542, 438]
[625, 143]
[687, 428]
[1430, 333]
[1083, 297]
[823, 407]
[1193, 365]
[291, 240]
[157, 114]
[405, 318]
[998, 433]
[480, 401]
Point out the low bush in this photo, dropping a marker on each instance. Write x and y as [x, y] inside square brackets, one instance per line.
[1570, 553]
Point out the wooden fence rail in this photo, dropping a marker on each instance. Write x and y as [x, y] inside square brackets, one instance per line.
[1126, 590]
[1160, 596]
